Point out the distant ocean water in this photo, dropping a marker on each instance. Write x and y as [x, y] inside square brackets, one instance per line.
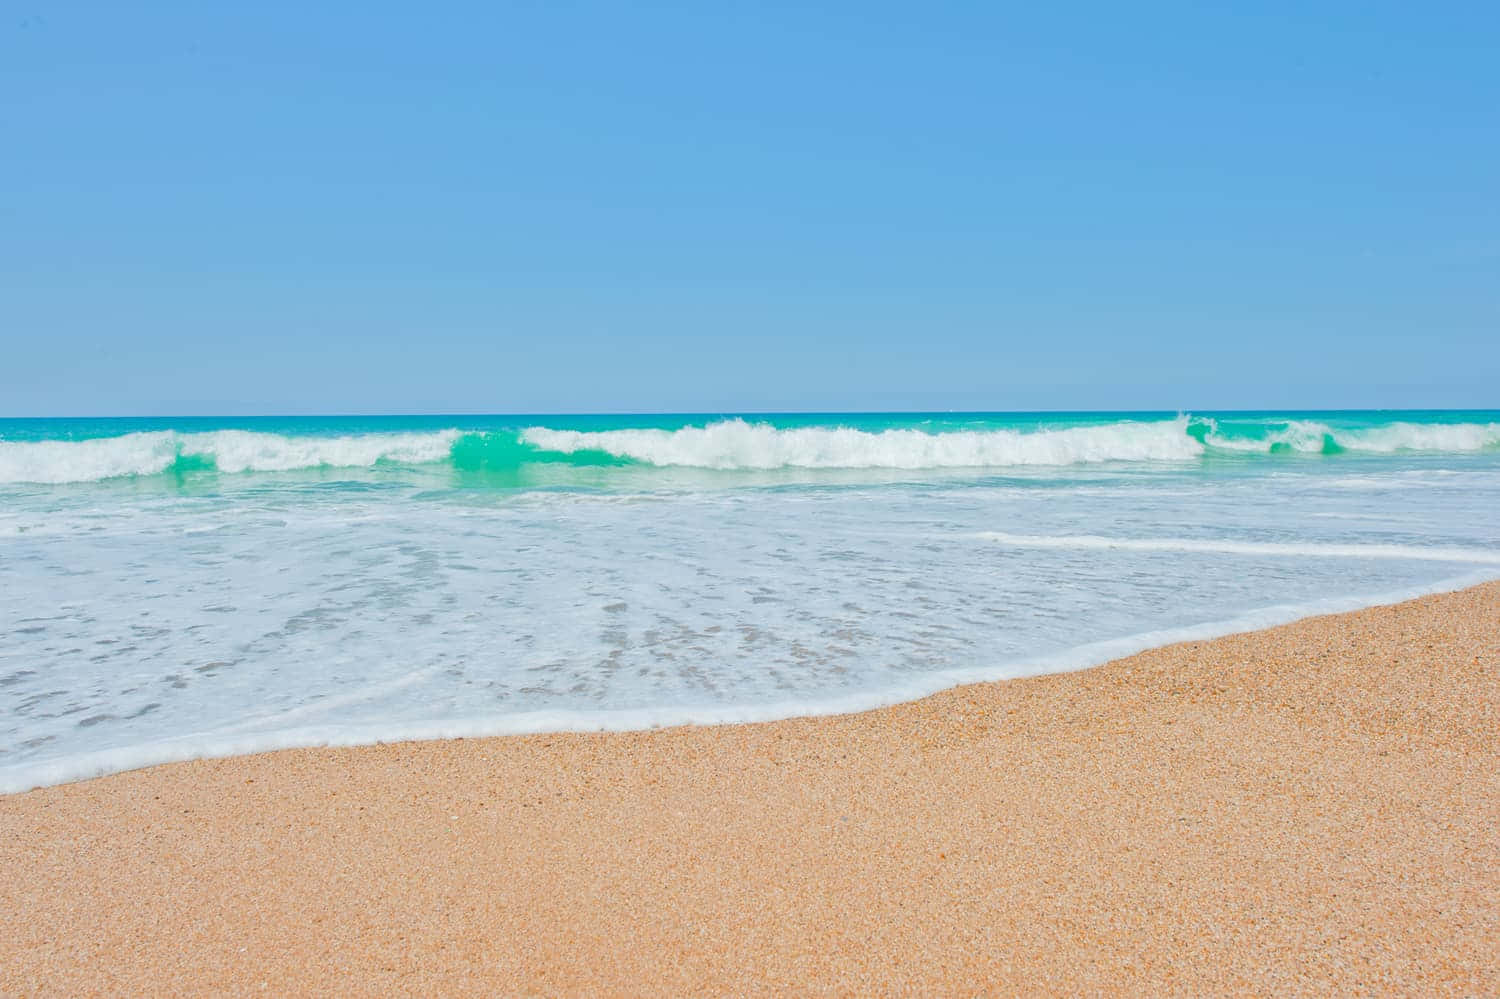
[173, 588]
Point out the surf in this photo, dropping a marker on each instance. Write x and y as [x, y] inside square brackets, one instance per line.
[736, 444]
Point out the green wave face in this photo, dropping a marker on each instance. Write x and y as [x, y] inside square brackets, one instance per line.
[504, 451]
[187, 464]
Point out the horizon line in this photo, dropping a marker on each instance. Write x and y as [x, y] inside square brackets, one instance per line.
[470, 414]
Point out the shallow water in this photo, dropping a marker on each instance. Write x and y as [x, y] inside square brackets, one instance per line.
[178, 588]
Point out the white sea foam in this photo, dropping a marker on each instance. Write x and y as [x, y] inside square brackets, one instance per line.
[224, 743]
[1364, 483]
[1311, 437]
[1458, 437]
[1477, 556]
[736, 444]
[243, 451]
[89, 460]
[150, 453]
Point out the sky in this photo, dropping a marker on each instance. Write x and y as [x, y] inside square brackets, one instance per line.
[710, 207]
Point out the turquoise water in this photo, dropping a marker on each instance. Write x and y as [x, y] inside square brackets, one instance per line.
[194, 586]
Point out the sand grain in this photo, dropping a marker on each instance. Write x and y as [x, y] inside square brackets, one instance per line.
[1313, 809]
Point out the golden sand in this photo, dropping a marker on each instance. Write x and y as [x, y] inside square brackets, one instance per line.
[1313, 809]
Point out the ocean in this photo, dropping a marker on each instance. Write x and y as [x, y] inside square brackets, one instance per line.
[183, 587]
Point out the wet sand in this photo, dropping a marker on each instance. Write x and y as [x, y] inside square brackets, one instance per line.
[1314, 808]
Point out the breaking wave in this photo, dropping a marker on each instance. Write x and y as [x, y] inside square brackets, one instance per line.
[731, 444]
[736, 444]
[1314, 437]
[156, 452]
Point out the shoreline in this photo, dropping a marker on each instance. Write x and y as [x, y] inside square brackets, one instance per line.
[1299, 809]
[186, 749]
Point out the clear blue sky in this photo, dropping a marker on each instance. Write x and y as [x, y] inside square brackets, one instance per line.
[552, 206]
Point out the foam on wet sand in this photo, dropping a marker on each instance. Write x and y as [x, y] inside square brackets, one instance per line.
[1312, 808]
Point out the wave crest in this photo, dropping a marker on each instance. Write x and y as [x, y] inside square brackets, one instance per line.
[1314, 437]
[732, 444]
[154, 452]
[736, 444]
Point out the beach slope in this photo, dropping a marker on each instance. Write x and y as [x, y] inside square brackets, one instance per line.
[1314, 808]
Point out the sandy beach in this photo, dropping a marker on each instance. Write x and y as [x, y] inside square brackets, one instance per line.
[1309, 809]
